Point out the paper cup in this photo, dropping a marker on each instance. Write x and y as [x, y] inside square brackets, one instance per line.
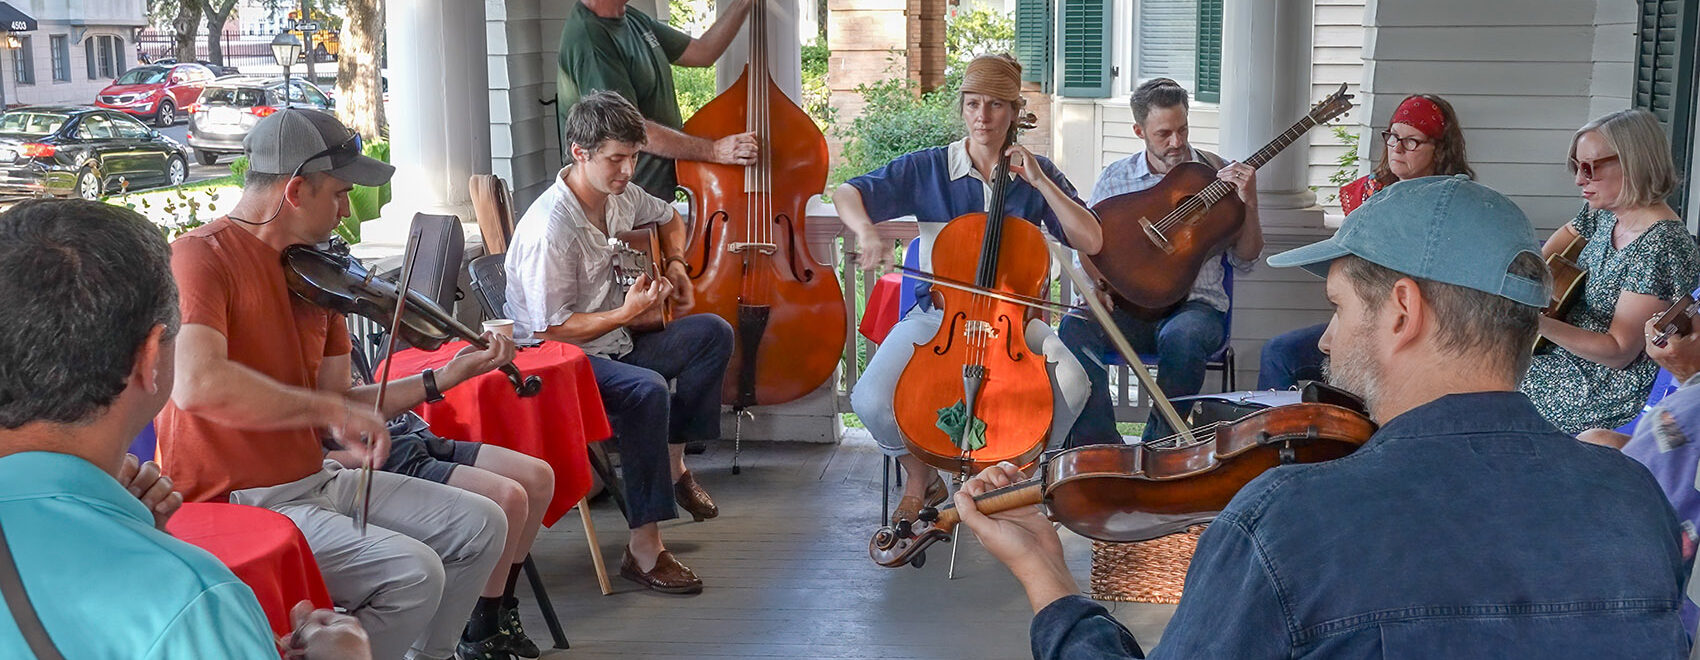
[503, 327]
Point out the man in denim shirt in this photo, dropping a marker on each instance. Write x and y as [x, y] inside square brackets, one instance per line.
[1466, 527]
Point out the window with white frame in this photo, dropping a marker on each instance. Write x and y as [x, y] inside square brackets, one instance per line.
[105, 56]
[23, 61]
[61, 54]
[1165, 41]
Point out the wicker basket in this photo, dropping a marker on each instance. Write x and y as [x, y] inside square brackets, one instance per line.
[1145, 572]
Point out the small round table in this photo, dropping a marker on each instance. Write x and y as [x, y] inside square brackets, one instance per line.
[263, 548]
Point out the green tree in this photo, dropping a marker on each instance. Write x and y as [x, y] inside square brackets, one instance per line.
[360, 94]
[978, 31]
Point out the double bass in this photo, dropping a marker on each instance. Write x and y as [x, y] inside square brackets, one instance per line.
[1156, 240]
[974, 395]
[748, 262]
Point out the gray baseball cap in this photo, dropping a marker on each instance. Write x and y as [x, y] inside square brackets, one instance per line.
[313, 141]
[1443, 228]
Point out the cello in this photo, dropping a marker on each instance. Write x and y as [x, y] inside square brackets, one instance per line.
[748, 262]
[974, 395]
[1156, 240]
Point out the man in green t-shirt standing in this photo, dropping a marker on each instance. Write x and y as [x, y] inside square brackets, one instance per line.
[604, 45]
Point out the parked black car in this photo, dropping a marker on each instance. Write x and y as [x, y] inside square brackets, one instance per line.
[217, 69]
[229, 108]
[83, 151]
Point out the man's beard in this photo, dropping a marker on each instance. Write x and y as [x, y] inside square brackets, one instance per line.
[1350, 367]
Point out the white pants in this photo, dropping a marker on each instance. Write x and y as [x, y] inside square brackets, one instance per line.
[413, 578]
[871, 398]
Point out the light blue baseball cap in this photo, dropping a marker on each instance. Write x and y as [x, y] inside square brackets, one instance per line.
[1443, 228]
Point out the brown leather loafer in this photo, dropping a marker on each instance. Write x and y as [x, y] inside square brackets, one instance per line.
[691, 497]
[668, 576]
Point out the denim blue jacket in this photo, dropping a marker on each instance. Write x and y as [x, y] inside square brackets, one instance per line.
[1467, 527]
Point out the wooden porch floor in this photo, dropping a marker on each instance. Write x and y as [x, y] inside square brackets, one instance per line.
[787, 574]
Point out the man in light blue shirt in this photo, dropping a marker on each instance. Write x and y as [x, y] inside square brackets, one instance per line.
[1183, 337]
[86, 348]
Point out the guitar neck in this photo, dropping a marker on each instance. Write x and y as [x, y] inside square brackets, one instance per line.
[1275, 146]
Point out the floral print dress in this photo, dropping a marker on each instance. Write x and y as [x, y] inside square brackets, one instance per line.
[1575, 393]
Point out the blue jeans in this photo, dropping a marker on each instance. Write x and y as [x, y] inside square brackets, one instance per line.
[1183, 342]
[692, 352]
[1290, 358]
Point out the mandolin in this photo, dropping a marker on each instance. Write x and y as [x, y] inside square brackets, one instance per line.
[634, 256]
[1675, 321]
[1156, 240]
[1568, 277]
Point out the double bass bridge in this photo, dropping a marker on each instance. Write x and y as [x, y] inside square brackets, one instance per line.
[764, 248]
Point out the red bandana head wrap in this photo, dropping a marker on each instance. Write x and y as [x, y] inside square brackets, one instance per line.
[1421, 114]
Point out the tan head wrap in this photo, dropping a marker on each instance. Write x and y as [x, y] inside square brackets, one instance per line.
[997, 76]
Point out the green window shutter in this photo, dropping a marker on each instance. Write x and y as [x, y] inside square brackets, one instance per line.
[88, 44]
[1085, 39]
[1664, 76]
[1209, 84]
[1033, 40]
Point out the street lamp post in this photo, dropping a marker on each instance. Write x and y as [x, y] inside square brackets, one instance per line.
[285, 48]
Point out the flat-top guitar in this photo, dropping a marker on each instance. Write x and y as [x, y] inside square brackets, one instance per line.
[1156, 240]
[635, 253]
[1568, 277]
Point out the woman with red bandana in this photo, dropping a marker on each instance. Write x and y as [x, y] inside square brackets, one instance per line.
[1422, 139]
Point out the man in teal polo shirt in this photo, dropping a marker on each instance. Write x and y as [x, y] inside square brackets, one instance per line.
[86, 347]
[607, 45]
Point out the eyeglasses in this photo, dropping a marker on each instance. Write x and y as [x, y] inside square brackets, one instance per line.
[1404, 143]
[340, 155]
[1590, 169]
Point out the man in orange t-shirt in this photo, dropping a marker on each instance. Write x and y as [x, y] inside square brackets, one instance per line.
[262, 373]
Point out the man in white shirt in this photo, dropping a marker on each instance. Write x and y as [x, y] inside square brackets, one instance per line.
[564, 285]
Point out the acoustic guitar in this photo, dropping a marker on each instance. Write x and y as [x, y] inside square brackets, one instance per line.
[1568, 276]
[1156, 240]
[1676, 321]
[635, 254]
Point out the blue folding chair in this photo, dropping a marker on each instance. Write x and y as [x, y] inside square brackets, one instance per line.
[145, 444]
[1223, 359]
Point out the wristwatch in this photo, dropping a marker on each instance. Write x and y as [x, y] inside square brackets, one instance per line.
[432, 394]
[669, 262]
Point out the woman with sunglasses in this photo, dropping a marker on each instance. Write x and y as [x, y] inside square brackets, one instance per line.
[1422, 139]
[1639, 256]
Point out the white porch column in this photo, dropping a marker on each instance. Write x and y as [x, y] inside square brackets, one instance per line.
[440, 117]
[1266, 60]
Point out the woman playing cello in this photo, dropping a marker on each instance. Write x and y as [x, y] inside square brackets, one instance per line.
[936, 185]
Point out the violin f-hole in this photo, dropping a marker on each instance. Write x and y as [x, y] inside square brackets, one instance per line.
[793, 256]
[941, 350]
[1016, 354]
[701, 265]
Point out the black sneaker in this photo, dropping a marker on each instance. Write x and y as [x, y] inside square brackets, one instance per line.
[489, 648]
[512, 635]
[694, 447]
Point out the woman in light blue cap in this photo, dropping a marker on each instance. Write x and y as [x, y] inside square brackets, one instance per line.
[1639, 256]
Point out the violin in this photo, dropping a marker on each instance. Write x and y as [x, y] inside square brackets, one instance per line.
[337, 281]
[1092, 490]
[974, 395]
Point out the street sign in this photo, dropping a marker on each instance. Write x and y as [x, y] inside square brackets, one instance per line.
[307, 26]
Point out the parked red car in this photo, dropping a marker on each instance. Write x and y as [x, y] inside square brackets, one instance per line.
[155, 92]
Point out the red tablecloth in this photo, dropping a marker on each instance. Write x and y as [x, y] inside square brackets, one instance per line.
[881, 311]
[263, 548]
[555, 425]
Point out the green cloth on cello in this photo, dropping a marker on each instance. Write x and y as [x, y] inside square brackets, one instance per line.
[954, 422]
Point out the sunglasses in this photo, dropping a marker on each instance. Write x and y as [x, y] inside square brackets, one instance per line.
[341, 155]
[1404, 143]
[1590, 169]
